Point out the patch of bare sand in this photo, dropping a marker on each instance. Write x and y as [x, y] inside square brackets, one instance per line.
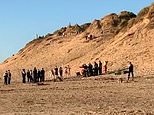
[79, 97]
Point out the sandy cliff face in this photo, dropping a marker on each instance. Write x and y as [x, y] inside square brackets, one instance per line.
[116, 39]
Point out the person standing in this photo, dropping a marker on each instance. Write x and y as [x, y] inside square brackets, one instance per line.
[61, 72]
[9, 77]
[38, 76]
[90, 66]
[66, 71]
[23, 76]
[100, 68]
[5, 77]
[35, 75]
[56, 71]
[130, 70]
[56, 74]
[95, 68]
[28, 76]
[42, 75]
[69, 70]
[31, 76]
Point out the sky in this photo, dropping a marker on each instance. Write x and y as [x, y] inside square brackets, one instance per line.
[21, 20]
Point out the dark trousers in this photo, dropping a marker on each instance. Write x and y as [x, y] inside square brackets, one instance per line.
[9, 80]
[35, 79]
[100, 71]
[5, 80]
[28, 79]
[42, 78]
[23, 79]
[130, 73]
[96, 72]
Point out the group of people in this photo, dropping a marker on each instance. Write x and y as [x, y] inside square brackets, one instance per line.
[7, 77]
[35, 75]
[87, 70]
[96, 69]
[38, 75]
[59, 72]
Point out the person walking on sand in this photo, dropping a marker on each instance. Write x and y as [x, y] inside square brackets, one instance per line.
[130, 70]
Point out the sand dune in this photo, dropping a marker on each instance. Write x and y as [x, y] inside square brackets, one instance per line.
[117, 38]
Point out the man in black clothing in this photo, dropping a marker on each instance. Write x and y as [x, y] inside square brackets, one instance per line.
[130, 70]
[35, 75]
[56, 71]
[100, 68]
[95, 69]
[28, 76]
[39, 76]
[61, 72]
[5, 77]
[23, 76]
[42, 75]
[9, 77]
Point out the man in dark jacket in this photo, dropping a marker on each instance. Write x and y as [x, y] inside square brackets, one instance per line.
[100, 68]
[130, 71]
[28, 76]
[90, 66]
[35, 75]
[42, 75]
[95, 68]
[61, 72]
[9, 77]
[23, 76]
[5, 77]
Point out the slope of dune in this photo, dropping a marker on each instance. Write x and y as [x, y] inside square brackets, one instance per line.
[117, 38]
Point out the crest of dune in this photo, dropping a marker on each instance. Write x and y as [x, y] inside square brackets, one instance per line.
[117, 38]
